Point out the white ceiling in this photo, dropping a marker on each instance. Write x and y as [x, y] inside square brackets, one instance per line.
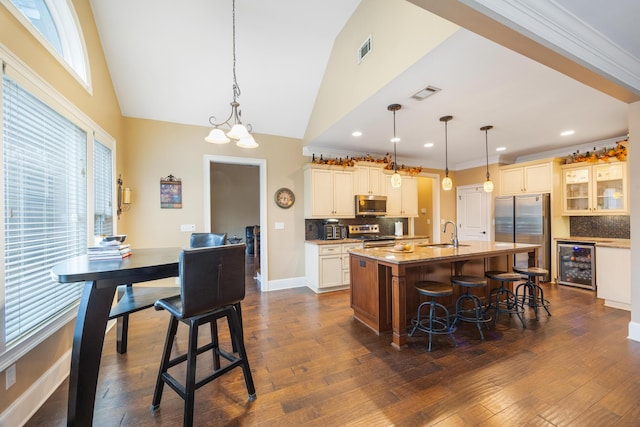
[172, 62]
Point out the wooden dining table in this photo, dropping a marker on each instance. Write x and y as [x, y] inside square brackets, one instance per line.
[101, 279]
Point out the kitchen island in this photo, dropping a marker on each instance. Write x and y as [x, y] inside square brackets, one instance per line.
[382, 279]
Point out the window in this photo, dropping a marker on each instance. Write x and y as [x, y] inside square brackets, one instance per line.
[55, 25]
[45, 209]
[102, 190]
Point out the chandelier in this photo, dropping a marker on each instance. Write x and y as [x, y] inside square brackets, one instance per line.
[237, 131]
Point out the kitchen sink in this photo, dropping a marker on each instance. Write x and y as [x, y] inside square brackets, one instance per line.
[440, 245]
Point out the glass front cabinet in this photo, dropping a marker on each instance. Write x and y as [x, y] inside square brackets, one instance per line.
[595, 189]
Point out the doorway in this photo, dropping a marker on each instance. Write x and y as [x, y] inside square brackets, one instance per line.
[261, 239]
[472, 211]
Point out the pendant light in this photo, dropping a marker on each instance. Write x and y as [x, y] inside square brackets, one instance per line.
[488, 184]
[396, 179]
[237, 130]
[447, 184]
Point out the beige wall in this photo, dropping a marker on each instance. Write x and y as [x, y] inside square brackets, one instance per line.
[402, 33]
[100, 106]
[156, 149]
[423, 225]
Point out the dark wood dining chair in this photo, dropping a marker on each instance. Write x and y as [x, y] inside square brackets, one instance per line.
[211, 284]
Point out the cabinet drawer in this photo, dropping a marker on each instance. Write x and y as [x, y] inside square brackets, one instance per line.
[329, 250]
[346, 247]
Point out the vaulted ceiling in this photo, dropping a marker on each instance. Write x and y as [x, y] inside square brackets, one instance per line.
[173, 62]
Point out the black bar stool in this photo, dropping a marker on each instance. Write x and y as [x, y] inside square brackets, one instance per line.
[469, 307]
[532, 293]
[502, 299]
[435, 323]
[211, 284]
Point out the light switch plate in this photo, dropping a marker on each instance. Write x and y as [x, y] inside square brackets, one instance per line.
[279, 225]
[187, 227]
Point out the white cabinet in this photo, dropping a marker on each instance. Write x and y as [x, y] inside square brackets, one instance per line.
[327, 266]
[346, 274]
[402, 201]
[369, 180]
[613, 276]
[328, 193]
[527, 179]
[596, 189]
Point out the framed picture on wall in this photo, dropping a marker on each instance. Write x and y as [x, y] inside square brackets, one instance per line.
[170, 193]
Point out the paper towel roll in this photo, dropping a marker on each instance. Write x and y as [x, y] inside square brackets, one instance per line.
[399, 228]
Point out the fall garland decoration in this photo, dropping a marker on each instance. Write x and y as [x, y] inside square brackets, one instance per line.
[618, 152]
[351, 161]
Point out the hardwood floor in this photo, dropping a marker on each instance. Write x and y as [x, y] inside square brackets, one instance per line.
[314, 365]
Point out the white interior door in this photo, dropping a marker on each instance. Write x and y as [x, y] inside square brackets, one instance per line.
[472, 211]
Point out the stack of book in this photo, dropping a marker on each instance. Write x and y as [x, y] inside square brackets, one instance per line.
[108, 252]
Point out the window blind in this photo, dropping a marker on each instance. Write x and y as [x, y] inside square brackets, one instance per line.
[102, 190]
[45, 218]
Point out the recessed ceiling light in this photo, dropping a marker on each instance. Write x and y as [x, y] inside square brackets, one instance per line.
[567, 132]
[428, 145]
[356, 133]
[501, 148]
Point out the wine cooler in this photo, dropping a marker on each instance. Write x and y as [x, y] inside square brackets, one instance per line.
[577, 264]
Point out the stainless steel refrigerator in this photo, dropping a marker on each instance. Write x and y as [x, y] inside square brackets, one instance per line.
[525, 219]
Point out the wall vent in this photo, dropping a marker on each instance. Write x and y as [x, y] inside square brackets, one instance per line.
[364, 49]
[425, 93]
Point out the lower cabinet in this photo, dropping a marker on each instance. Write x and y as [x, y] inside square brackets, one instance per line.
[613, 276]
[327, 266]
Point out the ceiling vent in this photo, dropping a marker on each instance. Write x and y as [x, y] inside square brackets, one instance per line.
[425, 93]
[364, 49]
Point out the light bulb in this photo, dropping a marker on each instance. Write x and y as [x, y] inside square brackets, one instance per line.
[488, 186]
[396, 180]
[447, 184]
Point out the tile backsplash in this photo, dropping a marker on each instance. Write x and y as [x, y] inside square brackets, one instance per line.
[612, 226]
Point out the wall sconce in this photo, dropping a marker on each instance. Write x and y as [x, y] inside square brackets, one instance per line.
[124, 197]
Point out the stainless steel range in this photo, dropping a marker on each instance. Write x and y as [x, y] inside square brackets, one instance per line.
[370, 235]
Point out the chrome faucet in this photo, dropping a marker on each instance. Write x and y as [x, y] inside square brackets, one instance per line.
[454, 235]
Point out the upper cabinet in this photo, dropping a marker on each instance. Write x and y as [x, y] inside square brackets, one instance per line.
[595, 189]
[328, 193]
[526, 179]
[369, 180]
[402, 201]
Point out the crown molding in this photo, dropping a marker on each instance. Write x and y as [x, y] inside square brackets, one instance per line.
[551, 25]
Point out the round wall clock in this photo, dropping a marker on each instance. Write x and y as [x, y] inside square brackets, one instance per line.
[284, 198]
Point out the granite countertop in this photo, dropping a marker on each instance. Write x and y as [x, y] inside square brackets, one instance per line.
[340, 241]
[602, 242]
[438, 253]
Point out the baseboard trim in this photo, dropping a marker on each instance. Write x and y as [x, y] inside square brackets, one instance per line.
[23, 408]
[278, 285]
[634, 331]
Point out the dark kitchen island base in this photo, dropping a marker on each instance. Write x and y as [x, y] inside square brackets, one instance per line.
[382, 294]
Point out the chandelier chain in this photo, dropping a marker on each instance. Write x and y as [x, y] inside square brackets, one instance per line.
[236, 87]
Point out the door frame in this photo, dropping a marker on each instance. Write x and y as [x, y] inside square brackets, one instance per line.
[263, 285]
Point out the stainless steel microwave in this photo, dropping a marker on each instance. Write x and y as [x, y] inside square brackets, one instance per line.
[367, 205]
